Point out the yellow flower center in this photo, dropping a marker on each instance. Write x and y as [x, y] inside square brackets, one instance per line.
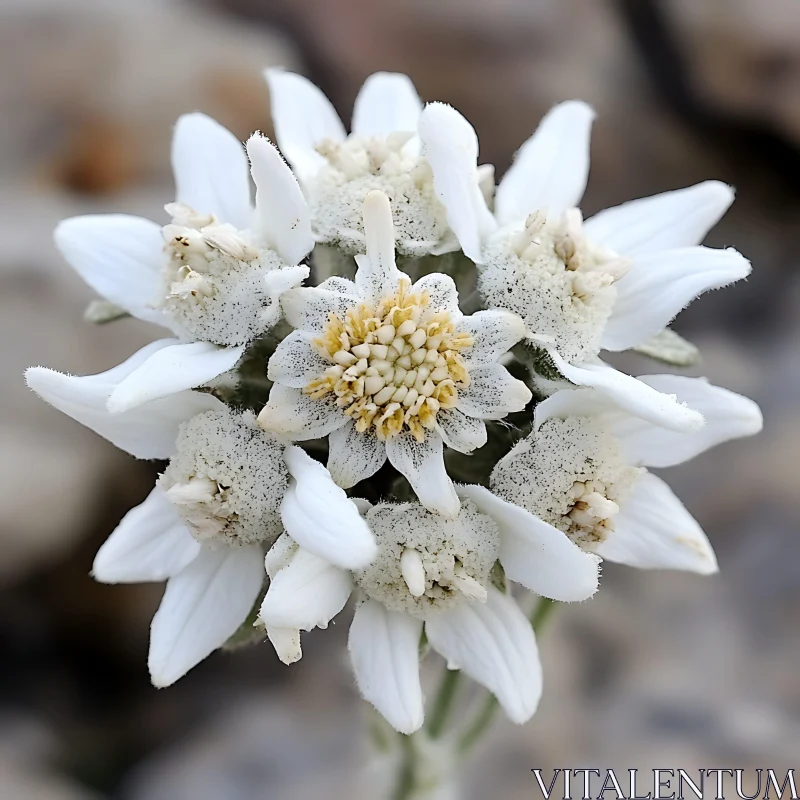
[390, 369]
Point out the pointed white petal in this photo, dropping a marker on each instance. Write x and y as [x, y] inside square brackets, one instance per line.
[306, 594]
[280, 554]
[450, 146]
[422, 463]
[320, 517]
[653, 530]
[170, 370]
[295, 415]
[341, 285]
[493, 332]
[575, 403]
[460, 432]
[492, 393]
[286, 642]
[146, 431]
[303, 117]
[308, 308]
[211, 172]
[276, 283]
[494, 644]
[659, 286]
[551, 169]
[673, 219]
[631, 395]
[535, 554]
[119, 256]
[377, 274]
[443, 295]
[201, 609]
[728, 416]
[282, 214]
[354, 456]
[384, 650]
[387, 102]
[296, 361]
[151, 543]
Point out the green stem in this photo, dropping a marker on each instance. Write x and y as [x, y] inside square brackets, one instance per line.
[544, 608]
[407, 778]
[443, 702]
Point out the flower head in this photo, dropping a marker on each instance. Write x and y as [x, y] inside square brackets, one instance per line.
[583, 470]
[392, 369]
[439, 575]
[229, 491]
[610, 283]
[213, 275]
[337, 171]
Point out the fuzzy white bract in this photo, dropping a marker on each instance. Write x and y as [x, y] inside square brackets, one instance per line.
[610, 283]
[391, 369]
[382, 153]
[229, 491]
[583, 470]
[441, 576]
[213, 276]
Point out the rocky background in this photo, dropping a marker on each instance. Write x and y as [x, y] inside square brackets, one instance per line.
[659, 669]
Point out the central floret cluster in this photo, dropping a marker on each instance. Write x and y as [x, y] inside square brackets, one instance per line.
[394, 366]
[570, 277]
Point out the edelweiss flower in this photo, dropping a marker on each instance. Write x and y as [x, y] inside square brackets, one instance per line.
[337, 171]
[213, 276]
[611, 283]
[582, 471]
[229, 491]
[438, 574]
[391, 369]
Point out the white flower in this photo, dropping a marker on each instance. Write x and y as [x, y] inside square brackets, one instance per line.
[229, 491]
[391, 370]
[610, 283]
[438, 574]
[583, 471]
[337, 171]
[213, 276]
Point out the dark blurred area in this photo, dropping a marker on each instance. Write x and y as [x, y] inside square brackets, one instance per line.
[659, 669]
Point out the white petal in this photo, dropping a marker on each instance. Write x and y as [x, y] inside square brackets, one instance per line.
[492, 393]
[494, 644]
[551, 169]
[299, 417]
[211, 171]
[443, 295]
[202, 608]
[384, 650]
[535, 554]
[341, 285]
[296, 361]
[387, 102]
[673, 219]
[631, 395]
[306, 594]
[276, 283]
[320, 517]
[282, 214]
[660, 285]
[308, 308]
[171, 370]
[286, 642]
[575, 403]
[303, 117]
[653, 530]
[354, 456]
[493, 332]
[119, 256]
[460, 432]
[450, 146]
[728, 416]
[146, 431]
[377, 274]
[422, 463]
[151, 543]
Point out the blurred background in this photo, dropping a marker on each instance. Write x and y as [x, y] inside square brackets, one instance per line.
[659, 669]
